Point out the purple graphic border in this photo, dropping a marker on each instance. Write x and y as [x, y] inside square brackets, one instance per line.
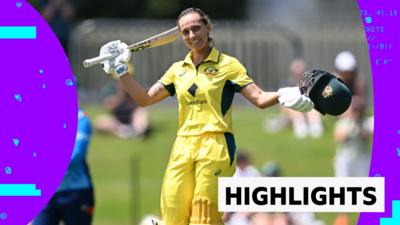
[384, 65]
[38, 105]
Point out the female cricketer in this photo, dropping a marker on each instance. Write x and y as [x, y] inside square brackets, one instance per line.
[204, 149]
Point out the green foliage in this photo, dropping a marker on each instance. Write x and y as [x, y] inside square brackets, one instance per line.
[111, 9]
[218, 9]
[163, 9]
[152, 9]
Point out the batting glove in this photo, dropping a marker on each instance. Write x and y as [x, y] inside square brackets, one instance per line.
[291, 97]
[118, 65]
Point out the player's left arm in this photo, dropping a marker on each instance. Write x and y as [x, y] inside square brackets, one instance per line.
[246, 86]
[259, 97]
[289, 97]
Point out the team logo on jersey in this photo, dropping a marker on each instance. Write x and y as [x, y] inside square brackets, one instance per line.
[328, 92]
[210, 70]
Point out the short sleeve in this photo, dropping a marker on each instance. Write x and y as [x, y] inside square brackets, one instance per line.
[168, 80]
[239, 77]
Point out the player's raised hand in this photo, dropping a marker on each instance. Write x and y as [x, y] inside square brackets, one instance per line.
[291, 97]
[118, 65]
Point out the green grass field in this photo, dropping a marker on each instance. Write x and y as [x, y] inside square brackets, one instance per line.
[128, 173]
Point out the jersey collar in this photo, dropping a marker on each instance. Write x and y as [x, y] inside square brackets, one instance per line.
[212, 57]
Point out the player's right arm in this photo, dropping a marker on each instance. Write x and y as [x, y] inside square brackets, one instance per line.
[144, 98]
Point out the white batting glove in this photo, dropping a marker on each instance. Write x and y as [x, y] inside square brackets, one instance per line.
[291, 97]
[118, 65]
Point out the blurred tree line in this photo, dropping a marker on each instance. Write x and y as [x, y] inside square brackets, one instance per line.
[151, 9]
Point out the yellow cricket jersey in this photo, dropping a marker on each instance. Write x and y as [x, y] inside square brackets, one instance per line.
[205, 93]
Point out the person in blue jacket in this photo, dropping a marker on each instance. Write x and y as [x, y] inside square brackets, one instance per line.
[73, 202]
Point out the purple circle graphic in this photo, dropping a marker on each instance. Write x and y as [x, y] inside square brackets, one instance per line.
[381, 21]
[38, 113]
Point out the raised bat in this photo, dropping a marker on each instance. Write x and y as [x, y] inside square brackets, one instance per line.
[151, 42]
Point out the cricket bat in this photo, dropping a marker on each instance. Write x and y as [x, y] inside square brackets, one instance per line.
[151, 42]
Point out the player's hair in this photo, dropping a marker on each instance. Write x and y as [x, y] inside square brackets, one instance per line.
[203, 18]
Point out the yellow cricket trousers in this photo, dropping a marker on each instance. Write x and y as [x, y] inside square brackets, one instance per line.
[190, 188]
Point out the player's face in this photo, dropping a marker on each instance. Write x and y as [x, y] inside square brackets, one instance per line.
[194, 32]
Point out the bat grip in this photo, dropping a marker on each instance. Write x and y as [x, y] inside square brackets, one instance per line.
[93, 61]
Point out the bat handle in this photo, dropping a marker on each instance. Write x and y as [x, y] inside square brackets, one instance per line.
[93, 61]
